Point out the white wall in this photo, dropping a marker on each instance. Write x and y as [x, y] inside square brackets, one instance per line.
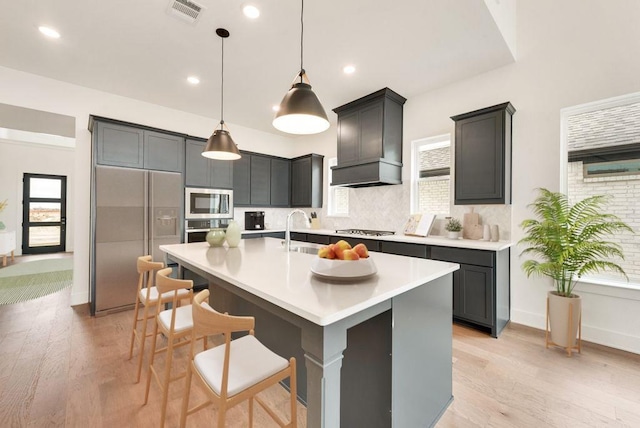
[18, 158]
[569, 53]
[27, 90]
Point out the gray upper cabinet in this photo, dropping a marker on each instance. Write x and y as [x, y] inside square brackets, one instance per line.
[280, 182]
[260, 180]
[129, 146]
[163, 152]
[203, 172]
[483, 156]
[119, 145]
[241, 180]
[306, 181]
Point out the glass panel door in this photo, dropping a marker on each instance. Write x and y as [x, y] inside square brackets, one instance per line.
[44, 213]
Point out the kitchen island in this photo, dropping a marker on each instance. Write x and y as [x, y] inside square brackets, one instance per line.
[407, 304]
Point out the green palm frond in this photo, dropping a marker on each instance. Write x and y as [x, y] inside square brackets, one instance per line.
[568, 241]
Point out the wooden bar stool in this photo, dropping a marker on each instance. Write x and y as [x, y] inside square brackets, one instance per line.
[237, 370]
[176, 324]
[147, 296]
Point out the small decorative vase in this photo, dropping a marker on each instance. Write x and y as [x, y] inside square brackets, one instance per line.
[2, 226]
[215, 237]
[233, 234]
[453, 235]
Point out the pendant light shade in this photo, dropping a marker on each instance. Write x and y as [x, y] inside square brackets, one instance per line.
[300, 110]
[220, 145]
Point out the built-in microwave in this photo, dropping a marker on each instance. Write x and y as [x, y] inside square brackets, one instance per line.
[208, 203]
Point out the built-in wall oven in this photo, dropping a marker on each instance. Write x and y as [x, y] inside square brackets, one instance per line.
[201, 203]
[196, 230]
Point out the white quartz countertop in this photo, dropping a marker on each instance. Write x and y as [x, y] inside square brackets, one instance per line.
[443, 241]
[262, 267]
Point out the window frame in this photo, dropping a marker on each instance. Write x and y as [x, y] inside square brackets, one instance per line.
[438, 141]
[331, 197]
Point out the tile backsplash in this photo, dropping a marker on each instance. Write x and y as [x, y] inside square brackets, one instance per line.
[382, 208]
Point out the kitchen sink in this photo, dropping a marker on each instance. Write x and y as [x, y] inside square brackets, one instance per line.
[306, 250]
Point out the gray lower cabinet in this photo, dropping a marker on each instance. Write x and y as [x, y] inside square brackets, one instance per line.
[278, 235]
[306, 181]
[404, 249]
[204, 172]
[481, 294]
[128, 146]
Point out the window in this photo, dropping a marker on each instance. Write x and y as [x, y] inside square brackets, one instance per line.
[602, 144]
[338, 200]
[430, 176]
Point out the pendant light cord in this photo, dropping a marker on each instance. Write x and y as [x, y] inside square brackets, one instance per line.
[222, 88]
[301, 40]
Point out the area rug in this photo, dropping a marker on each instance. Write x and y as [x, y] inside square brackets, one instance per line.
[30, 280]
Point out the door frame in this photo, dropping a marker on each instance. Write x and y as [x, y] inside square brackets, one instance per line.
[26, 199]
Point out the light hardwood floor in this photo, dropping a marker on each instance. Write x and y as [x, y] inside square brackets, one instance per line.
[61, 367]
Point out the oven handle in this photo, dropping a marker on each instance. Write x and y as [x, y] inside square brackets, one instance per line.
[196, 230]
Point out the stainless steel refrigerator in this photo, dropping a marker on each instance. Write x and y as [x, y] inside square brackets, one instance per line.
[136, 211]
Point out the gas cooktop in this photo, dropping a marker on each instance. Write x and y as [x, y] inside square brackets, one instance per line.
[365, 232]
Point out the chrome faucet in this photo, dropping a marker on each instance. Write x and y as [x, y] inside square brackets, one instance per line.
[287, 234]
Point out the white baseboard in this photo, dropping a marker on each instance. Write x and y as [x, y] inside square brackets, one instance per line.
[592, 334]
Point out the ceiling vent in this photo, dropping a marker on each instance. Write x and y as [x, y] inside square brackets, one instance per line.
[185, 10]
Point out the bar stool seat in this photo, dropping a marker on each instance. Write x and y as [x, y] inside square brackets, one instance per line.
[183, 319]
[251, 363]
[153, 295]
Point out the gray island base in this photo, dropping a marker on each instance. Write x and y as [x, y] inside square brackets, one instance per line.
[376, 353]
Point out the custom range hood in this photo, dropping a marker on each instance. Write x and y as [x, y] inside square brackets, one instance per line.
[369, 141]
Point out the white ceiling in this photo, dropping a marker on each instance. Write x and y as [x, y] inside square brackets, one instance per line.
[136, 49]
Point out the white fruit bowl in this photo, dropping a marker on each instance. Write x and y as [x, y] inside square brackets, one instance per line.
[344, 270]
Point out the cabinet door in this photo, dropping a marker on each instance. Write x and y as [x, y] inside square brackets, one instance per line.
[474, 300]
[197, 171]
[348, 138]
[163, 152]
[241, 182]
[221, 173]
[260, 181]
[301, 182]
[370, 128]
[480, 159]
[280, 182]
[120, 145]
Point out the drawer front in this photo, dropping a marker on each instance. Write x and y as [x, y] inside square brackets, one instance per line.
[372, 245]
[297, 236]
[463, 255]
[318, 239]
[279, 235]
[404, 249]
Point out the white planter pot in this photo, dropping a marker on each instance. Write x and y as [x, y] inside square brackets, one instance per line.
[453, 235]
[564, 319]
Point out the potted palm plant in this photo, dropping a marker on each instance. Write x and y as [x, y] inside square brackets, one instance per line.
[567, 242]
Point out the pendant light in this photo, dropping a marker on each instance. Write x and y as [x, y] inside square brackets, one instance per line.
[300, 110]
[220, 145]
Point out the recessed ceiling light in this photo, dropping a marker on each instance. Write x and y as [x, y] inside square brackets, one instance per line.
[49, 32]
[275, 108]
[349, 69]
[193, 80]
[251, 11]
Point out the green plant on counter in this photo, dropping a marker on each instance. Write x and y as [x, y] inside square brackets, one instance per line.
[453, 225]
[569, 241]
